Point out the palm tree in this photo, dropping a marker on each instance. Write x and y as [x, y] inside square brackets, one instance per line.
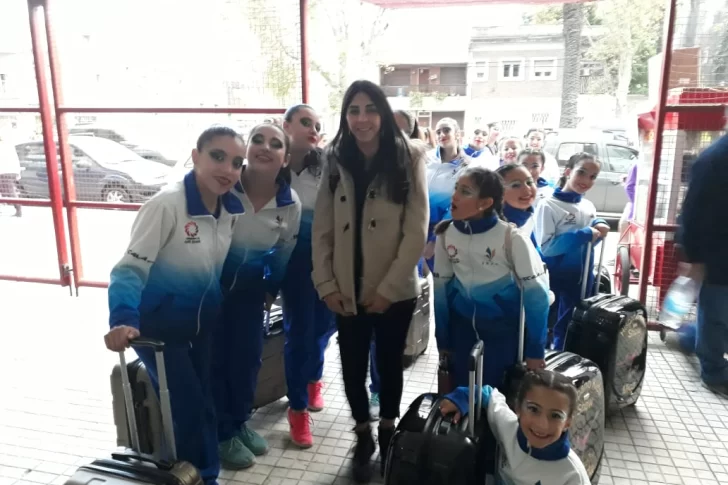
[573, 21]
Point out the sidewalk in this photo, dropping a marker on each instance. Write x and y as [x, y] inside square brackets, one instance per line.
[55, 412]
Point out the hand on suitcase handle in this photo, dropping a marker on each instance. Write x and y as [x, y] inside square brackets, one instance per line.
[156, 345]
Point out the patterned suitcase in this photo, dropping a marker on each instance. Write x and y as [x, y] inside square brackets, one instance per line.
[586, 433]
[418, 335]
[131, 467]
[272, 375]
[612, 332]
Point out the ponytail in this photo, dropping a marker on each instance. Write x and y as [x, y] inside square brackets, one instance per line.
[442, 226]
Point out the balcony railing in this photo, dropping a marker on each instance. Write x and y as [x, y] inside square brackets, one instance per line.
[427, 90]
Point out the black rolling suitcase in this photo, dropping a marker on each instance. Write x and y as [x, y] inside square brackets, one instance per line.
[131, 467]
[611, 331]
[428, 448]
[418, 335]
[586, 432]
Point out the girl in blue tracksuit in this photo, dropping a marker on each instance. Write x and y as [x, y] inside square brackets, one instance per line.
[308, 323]
[476, 283]
[263, 239]
[535, 160]
[518, 199]
[565, 224]
[166, 287]
[442, 172]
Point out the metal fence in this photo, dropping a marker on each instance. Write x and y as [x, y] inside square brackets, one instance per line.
[122, 93]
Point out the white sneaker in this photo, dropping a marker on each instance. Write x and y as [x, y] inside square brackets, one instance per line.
[374, 406]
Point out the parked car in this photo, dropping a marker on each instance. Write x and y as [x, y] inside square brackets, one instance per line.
[103, 170]
[617, 157]
[113, 135]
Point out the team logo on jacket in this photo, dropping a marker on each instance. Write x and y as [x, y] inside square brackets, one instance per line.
[452, 254]
[192, 230]
[570, 219]
[279, 220]
[489, 256]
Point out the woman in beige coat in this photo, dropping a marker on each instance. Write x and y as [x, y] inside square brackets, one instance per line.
[369, 230]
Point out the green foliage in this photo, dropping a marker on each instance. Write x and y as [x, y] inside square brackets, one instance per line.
[282, 70]
[416, 99]
[631, 28]
[554, 14]
[720, 64]
[440, 95]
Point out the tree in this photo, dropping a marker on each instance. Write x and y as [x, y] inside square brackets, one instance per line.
[573, 15]
[630, 39]
[554, 14]
[342, 42]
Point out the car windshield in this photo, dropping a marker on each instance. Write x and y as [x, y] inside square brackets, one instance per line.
[106, 152]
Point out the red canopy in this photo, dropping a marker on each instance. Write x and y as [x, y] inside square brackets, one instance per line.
[460, 3]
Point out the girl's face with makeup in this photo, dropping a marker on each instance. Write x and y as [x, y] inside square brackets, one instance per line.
[581, 178]
[544, 416]
[520, 189]
[267, 151]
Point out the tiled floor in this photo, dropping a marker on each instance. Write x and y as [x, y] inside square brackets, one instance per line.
[55, 407]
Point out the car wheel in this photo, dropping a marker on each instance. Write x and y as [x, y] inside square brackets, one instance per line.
[116, 195]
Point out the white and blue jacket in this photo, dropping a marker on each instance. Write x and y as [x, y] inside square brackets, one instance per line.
[524, 221]
[473, 278]
[169, 276]
[563, 229]
[544, 191]
[518, 463]
[306, 185]
[262, 241]
[441, 178]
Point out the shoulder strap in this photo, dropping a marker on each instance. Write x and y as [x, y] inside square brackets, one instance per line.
[509, 250]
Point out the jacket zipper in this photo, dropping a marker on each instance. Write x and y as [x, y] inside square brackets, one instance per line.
[212, 277]
[472, 278]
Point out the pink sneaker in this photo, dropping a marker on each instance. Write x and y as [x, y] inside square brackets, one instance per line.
[315, 397]
[300, 423]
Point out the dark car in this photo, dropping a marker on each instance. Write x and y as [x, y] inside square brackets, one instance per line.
[100, 131]
[103, 170]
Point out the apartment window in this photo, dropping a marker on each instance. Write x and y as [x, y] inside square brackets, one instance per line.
[544, 69]
[3, 81]
[512, 70]
[424, 119]
[481, 71]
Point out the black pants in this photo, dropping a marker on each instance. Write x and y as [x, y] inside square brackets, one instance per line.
[390, 333]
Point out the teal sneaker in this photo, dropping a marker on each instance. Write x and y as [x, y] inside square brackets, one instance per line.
[234, 455]
[253, 441]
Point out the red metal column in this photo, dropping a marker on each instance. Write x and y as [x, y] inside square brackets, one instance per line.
[646, 263]
[35, 14]
[303, 4]
[69, 187]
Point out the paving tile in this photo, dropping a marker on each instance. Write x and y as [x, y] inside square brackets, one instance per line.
[674, 435]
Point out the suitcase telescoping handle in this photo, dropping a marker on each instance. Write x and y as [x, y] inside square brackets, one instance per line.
[475, 393]
[164, 400]
[585, 275]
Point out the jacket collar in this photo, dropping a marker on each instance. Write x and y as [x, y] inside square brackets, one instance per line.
[541, 182]
[553, 452]
[460, 158]
[572, 197]
[195, 207]
[472, 152]
[476, 226]
[283, 195]
[517, 216]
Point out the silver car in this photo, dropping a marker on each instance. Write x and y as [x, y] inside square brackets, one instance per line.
[608, 194]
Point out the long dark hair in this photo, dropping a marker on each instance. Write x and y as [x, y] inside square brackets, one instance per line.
[573, 162]
[312, 160]
[213, 132]
[489, 184]
[392, 163]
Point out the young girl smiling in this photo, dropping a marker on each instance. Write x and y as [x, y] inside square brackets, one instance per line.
[565, 224]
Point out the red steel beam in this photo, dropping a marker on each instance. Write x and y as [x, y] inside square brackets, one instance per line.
[26, 202]
[646, 263]
[31, 279]
[168, 110]
[103, 205]
[69, 187]
[35, 17]
[303, 4]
